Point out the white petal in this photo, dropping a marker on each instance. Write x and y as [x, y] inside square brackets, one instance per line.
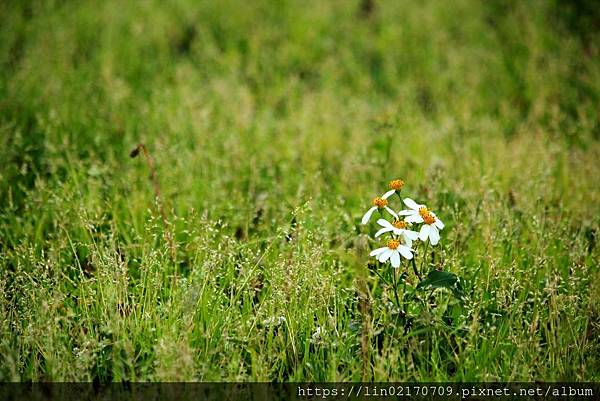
[383, 231]
[413, 235]
[384, 223]
[378, 251]
[412, 204]
[408, 242]
[434, 235]
[424, 233]
[395, 259]
[406, 212]
[439, 223]
[415, 218]
[367, 215]
[385, 255]
[392, 212]
[397, 231]
[405, 251]
[388, 194]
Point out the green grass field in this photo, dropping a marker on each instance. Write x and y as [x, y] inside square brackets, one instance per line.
[272, 125]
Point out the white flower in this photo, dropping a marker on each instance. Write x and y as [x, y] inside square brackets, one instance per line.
[398, 227]
[413, 212]
[380, 203]
[420, 214]
[274, 321]
[392, 251]
[316, 336]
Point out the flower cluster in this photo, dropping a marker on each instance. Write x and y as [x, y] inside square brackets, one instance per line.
[399, 230]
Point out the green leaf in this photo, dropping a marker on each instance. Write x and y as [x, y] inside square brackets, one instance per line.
[441, 279]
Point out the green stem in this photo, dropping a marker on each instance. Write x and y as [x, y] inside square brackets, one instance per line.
[414, 265]
[381, 277]
[404, 294]
[396, 286]
[425, 255]
[401, 203]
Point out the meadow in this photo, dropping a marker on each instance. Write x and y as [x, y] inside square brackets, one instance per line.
[270, 126]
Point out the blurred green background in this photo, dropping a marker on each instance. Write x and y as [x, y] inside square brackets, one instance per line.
[272, 125]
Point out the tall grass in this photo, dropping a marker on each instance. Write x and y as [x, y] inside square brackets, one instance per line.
[272, 124]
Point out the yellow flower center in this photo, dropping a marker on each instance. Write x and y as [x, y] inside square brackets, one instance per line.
[393, 244]
[401, 224]
[429, 218]
[423, 211]
[396, 184]
[380, 202]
